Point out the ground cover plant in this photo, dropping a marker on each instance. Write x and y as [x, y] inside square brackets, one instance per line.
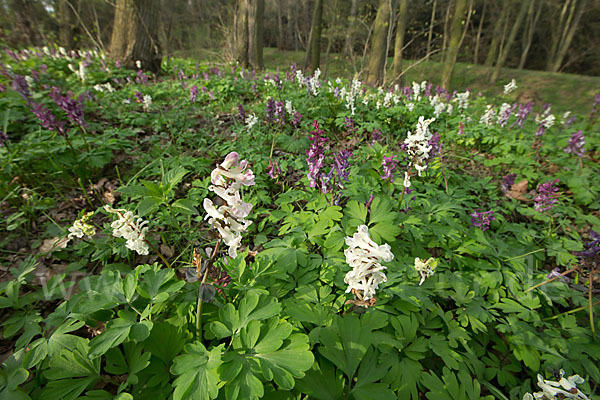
[215, 232]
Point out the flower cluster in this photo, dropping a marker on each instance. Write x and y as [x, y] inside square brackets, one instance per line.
[390, 164]
[425, 268]
[73, 108]
[482, 219]
[510, 87]
[522, 114]
[250, 121]
[81, 227]
[350, 95]
[193, 93]
[547, 194]
[229, 219]
[417, 144]
[507, 182]
[315, 155]
[545, 120]
[131, 228]
[576, 143]
[565, 388]
[364, 256]
[591, 248]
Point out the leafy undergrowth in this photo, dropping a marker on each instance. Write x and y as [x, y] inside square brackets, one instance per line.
[220, 233]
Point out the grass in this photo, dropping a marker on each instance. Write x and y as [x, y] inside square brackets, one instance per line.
[566, 92]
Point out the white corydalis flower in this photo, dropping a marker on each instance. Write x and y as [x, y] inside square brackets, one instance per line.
[131, 228]
[250, 121]
[510, 87]
[147, 102]
[364, 256]
[425, 268]
[81, 228]
[565, 387]
[229, 219]
[417, 144]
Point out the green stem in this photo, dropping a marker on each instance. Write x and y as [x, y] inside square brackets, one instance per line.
[154, 249]
[551, 280]
[591, 305]
[85, 193]
[200, 302]
[83, 132]
[571, 311]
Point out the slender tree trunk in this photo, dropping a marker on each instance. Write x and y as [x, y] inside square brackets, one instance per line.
[349, 43]
[489, 60]
[456, 36]
[528, 38]
[570, 29]
[399, 42]
[430, 34]
[256, 12]
[446, 24]
[241, 39]
[313, 52]
[511, 38]
[379, 46]
[280, 35]
[557, 33]
[65, 24]
[478, 38]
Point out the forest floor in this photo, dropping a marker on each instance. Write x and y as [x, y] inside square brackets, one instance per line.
[566, 92]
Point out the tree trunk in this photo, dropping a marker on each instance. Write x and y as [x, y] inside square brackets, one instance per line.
[256, 11]
[511, 38]
[569, 33]
[489, 60]
[430, 34]
[446, 21]
[280, 35]
[556, 34]
[379, 46]
[240, 27]
[531, 24]
[456, 35]
[349, 43]
[134, 36]
[478, 39]
[313, 51]
[65, 24]
[399, 42]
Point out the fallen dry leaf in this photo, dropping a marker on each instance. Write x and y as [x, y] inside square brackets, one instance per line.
[517, 190]
[53, 244]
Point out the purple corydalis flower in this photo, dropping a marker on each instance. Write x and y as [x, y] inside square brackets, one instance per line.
[241, 112]
[3, 138]
[461, 128]
[503, 119]
[273, 170]
[436, 145]
[280, 112]
[139, 96]
[390, 164]
[193, 93]
[19, 84]
[576, 143]
[73, 108]
[482, 219]
[270, 112]
[342, 165]
[297, 119]
[555, 273]
[522, 114]
[591, 248]
[507, 182]
[315, 154]
[47, 119]
[547, 196]
[376, 136]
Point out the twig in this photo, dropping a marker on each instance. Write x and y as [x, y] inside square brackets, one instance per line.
[550, 280]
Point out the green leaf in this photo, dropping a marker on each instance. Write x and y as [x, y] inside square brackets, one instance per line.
[322, 382]
[164, 332]
[252, 307]
[185, 206]
[345, 343]
[357, 211]
[116, 333]
[367, 384]
[173, 177]
[197, 372]
[148, 205]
